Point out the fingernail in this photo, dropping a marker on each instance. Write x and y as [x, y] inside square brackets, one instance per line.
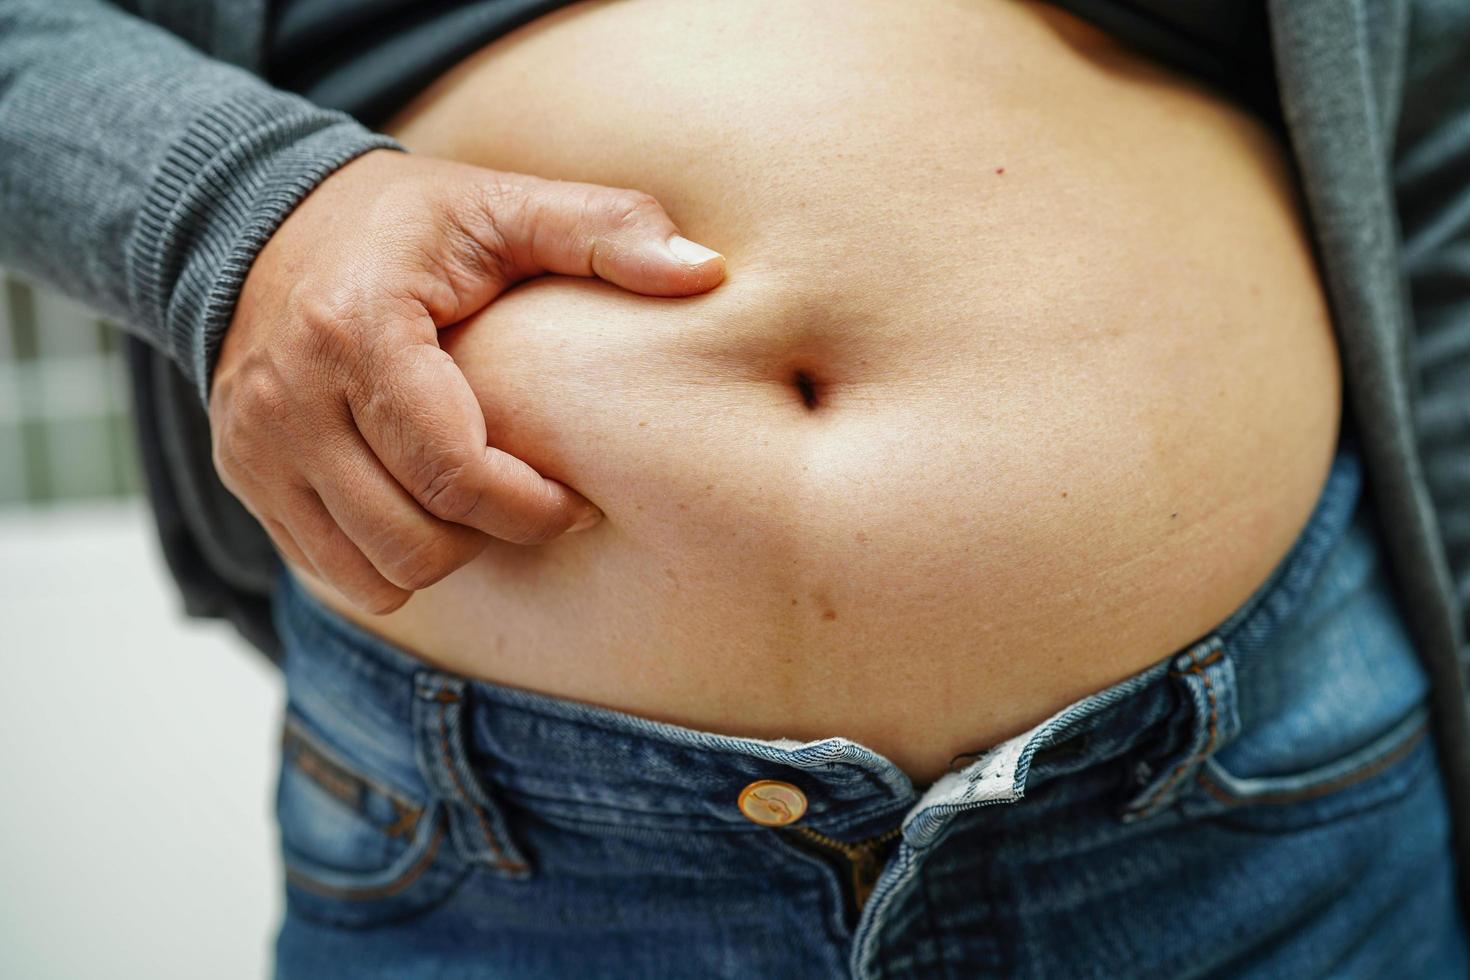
[589, 517]
[691, 253]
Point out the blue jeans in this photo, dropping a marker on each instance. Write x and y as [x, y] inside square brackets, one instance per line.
[1263, 803]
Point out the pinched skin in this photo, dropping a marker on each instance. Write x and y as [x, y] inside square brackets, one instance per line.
[1021, 377]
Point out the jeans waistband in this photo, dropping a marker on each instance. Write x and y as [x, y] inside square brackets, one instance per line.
[374, 702]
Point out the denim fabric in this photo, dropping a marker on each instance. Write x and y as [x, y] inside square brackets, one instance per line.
[1263, 803]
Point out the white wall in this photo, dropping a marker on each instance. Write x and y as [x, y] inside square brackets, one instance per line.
[137, 762]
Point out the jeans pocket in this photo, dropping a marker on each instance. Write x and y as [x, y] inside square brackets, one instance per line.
[1333, 710]
[1368, 775]
[357, 852]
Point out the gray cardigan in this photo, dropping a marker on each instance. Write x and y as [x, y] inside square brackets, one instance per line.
[143, 175]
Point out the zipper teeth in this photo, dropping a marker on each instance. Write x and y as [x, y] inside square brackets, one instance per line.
[860, 849]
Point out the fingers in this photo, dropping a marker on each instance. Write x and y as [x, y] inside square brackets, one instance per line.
[391, 489]
[405, 544]
[356, 529]
[334, 557]
[576, 229]
[423, 422]
[335, 417]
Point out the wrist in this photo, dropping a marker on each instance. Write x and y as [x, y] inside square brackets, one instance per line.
[220, 194]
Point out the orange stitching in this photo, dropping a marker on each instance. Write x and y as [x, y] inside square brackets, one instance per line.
[1216, 654]
[407, 820]
[501, 861]
[1198, 670]
[1214, 715]
[1332, 786]
[331, 779]
[304, 881]
[293, 732]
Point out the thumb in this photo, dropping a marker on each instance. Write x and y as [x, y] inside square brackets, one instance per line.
[576, 229]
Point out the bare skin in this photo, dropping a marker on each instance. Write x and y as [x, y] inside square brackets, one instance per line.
[1021, 377]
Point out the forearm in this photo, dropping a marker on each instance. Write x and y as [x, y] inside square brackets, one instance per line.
[143, 177]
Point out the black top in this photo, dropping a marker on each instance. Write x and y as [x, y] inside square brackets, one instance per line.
[1225, 43]
[370, 57]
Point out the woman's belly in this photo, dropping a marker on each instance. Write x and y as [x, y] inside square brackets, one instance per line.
[1021, 377]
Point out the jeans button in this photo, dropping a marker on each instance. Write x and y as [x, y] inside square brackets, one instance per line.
[772, 803]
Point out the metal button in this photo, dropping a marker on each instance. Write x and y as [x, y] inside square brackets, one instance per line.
[772, 803]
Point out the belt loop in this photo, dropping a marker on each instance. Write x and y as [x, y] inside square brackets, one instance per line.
[476, 825]
[1206, 674]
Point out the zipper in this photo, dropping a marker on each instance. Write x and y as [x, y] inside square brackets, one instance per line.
[864, 858]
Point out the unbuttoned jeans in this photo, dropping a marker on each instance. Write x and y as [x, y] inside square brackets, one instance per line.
[1263, 803]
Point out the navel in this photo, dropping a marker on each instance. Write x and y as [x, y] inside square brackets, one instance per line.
[807, 389]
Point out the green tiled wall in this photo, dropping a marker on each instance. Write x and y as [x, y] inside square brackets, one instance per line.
[64, 426]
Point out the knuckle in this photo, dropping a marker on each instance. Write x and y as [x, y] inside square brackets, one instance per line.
[496, 191]
[323, 307]
[624, 208]
[334, 331]
[260, 398]
[327, 314]
[378, 399]
[497, 206]
[249, 431]
[444, 490]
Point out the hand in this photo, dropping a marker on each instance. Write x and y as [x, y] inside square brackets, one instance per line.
[337, 419]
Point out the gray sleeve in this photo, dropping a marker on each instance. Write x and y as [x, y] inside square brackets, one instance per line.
[1432, 185]
[143, 177]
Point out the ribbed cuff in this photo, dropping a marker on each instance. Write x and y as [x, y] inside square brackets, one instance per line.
[218, 196]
